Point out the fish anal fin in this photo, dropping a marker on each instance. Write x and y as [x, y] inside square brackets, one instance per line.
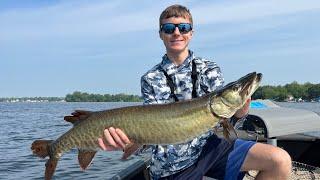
[77, 116]
[50, 168]
[41, 148]
[85, 158]
[130, 149]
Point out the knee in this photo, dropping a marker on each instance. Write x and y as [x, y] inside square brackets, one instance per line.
[281, 160]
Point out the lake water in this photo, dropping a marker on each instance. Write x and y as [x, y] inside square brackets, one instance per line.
[22, 123]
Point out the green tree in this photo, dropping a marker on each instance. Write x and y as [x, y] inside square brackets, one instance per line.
[85, 97]
[296, 90]
[314, 91]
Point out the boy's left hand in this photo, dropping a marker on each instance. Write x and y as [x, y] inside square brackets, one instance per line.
[244, 110]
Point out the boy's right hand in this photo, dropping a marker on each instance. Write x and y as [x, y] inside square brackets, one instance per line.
[113, 139]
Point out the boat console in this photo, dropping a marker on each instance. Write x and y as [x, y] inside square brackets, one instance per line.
[287, 128]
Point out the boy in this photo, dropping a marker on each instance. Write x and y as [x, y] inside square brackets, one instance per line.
[181, 75]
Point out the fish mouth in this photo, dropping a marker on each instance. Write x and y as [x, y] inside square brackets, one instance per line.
[239, 91]
[259, 77]
[227, 100]
[249, 84]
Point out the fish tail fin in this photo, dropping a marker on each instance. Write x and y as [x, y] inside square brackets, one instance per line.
[227, 128]
[51, 165]
[41, 148]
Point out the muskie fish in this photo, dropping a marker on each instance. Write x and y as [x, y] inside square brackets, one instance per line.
[170, 123]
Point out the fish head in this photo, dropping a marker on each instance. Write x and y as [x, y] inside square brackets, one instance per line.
[226, 101]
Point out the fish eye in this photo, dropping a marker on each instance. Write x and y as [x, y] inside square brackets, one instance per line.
[236, 87]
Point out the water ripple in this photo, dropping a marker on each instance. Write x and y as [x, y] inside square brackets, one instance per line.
[22, 123]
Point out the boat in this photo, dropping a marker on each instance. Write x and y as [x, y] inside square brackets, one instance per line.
[295, 130]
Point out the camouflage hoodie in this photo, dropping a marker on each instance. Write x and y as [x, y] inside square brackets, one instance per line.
[170, 159]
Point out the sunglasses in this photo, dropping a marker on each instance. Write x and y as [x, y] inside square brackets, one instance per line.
[169, 28]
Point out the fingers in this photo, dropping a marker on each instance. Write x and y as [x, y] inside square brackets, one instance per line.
[244, 110]
[107, 142]
[114, 139]
[103, 145]
[247, 105]
[248, 101]
[123, 136]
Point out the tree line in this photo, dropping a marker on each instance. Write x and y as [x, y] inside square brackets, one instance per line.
[294, 90]
[86, 97]
[31, 99]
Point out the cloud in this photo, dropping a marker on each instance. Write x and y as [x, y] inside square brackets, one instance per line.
[96, 36]
[72, 20]
[106, 18]
[234, 11]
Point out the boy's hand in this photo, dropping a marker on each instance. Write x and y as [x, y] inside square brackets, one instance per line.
[113, 139]
[244, 110]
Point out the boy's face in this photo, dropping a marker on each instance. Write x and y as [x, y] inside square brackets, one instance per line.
[176, 42]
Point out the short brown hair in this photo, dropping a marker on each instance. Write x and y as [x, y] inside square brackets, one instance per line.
[176, 11]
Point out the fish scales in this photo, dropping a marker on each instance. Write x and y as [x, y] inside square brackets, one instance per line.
[171, 123]
[154, 124]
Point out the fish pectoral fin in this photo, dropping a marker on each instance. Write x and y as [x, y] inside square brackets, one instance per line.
[77, 116]
[130, 149]
[85, 158]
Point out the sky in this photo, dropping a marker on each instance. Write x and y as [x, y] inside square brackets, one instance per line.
[52, 47]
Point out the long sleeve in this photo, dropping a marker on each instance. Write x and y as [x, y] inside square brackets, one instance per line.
[147, 92]
[211, 78]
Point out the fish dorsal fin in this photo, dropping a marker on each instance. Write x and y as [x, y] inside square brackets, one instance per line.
[85, 158]
[130, 149]
[77, 116]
